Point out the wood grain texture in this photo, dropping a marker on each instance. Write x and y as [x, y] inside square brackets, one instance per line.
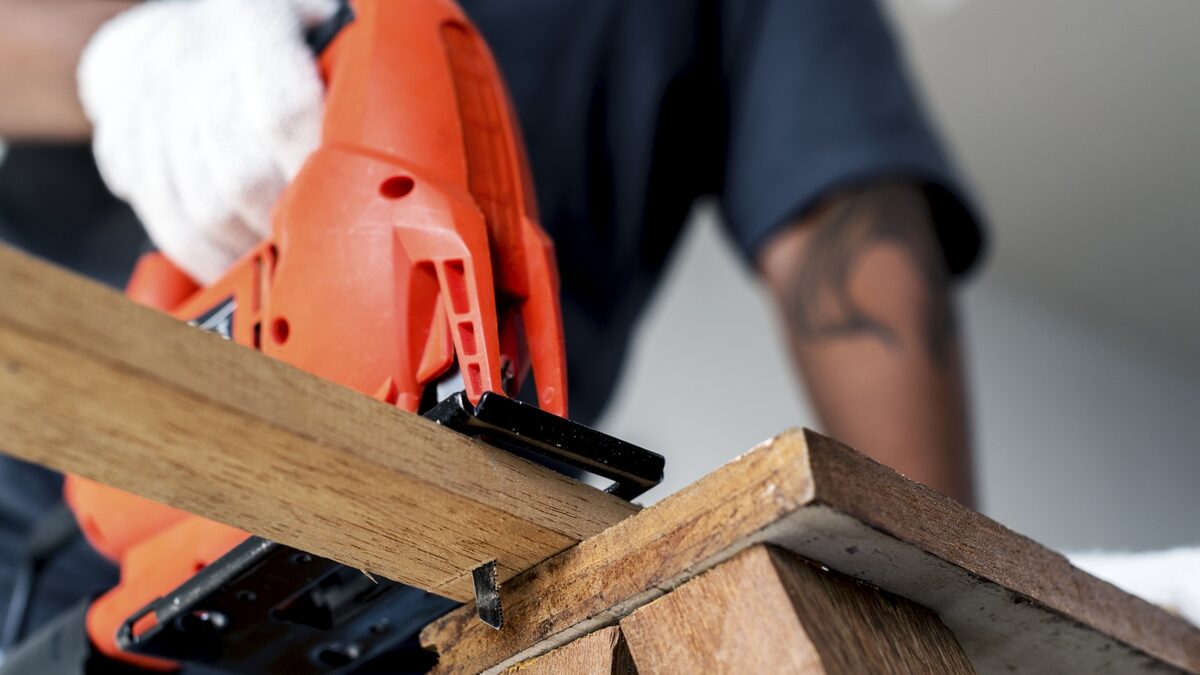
[1012, 604]
[95, 385]
[767, 610]
[603, 652]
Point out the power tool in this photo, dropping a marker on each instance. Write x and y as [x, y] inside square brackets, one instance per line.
[406, 262]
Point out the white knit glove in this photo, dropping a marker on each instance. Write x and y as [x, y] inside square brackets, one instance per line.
[1170, 579]
[202, 111]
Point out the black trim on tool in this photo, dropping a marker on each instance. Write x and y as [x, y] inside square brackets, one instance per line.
[319, 36]
[502, 421]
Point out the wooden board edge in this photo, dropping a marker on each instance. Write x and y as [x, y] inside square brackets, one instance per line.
[882, 499]
[799, 530]
[115, 392]
[71, 313]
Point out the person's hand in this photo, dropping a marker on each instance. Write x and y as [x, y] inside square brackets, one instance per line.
[1170, 579]
[202, 110]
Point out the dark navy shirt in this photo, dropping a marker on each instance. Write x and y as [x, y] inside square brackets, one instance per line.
[631, 110]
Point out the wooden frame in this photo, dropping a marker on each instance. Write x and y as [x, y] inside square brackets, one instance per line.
[1011, 603]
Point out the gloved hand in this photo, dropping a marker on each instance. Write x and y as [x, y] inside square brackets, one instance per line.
[1170, 578]
[202, 111]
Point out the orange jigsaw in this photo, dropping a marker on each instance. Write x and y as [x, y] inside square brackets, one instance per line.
[407, 249]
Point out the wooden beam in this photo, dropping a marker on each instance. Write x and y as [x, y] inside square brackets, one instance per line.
[95, 385]
[603, 652]
[1012, 604]
[767, 610]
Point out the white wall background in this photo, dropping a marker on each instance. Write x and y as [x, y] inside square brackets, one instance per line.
[1079, 123]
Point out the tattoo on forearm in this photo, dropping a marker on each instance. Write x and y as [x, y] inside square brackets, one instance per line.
[821, 306]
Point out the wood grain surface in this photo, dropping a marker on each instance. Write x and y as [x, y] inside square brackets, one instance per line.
[603, 652]
[768, 611]
[1014, 605]
[92, 384]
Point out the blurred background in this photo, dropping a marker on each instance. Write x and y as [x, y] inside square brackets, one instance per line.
[1078, 124]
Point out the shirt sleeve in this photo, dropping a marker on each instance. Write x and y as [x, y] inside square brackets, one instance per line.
[819, 101]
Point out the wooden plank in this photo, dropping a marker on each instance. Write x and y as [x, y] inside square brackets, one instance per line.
[100, 387]
[767, 610]
[603, 652]
[1011, 603]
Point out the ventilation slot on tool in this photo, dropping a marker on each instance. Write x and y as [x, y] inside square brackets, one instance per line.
[456, 283]
[466, 334]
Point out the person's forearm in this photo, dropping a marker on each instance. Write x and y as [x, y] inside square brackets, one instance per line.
[864, 294]
[40, 43]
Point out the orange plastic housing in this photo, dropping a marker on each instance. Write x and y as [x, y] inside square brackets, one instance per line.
[407, 244]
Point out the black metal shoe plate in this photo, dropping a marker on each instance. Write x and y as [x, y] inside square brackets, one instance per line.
[508, 423]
